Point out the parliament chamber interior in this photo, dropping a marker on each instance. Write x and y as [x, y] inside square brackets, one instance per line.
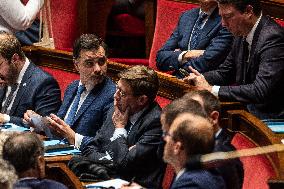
[132, 41]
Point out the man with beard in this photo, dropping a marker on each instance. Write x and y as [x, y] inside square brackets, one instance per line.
[199, 40]
[132, 131]
[23, 85]
[86, 101]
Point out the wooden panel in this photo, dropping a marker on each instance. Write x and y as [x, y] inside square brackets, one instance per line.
[61, 173]
[255, 129]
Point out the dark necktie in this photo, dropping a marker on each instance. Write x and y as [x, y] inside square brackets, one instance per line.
[74, 107]
[245, 59]
[9, 99]
[196, 30]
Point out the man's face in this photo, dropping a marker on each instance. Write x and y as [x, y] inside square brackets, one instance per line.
[168, 155]
[124, 97]
[92, 66]
[235, 21]
[8, 72]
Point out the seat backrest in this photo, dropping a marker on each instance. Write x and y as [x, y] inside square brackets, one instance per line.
[62, 77]
[257, 169]
[280, 22]
[167, 15]
[68, 20]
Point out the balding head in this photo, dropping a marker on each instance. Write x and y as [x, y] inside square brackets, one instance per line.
[23, 152]
[194, 132]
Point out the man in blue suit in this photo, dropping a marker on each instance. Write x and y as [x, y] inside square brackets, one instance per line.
[23, 85]
[199, 40]
[86, 101]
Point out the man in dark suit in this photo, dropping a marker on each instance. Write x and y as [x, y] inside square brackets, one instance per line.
[190, 135]
[25, 152]
[23, 85]
[232, 172]
[131, 133]
[199, 40]
[86, 101]
[255, 63]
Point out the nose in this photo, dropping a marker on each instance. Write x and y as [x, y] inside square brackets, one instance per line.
[116, 95]
[97, 68]
[224, 23]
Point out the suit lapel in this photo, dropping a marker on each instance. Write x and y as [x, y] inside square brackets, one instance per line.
[255, 42]
[68, 99]
[210, 24]
[189, 26]
[89, 100]
[2, 94]
[23, 87]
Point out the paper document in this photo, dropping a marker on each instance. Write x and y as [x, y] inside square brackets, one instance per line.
[116, 183]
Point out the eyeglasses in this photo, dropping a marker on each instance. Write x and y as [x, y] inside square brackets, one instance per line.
[166, 133]
[121, 93]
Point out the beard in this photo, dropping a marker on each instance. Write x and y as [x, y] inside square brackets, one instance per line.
[10, 78]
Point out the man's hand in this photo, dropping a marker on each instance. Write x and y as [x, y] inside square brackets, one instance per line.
[197, 80]
[61, 128]
[27, 117]
[119, 118]
[132, 186]
[2, 120]
[192, 54]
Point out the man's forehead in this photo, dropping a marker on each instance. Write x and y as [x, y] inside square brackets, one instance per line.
[93, 52]
[226, 8]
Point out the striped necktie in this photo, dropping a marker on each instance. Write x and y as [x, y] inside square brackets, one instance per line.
[196, 31]
[8, 100]
[74, 107]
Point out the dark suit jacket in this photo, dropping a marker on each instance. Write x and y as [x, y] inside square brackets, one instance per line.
[260, 82]
[214, 39]
[232, 172]
[38, 91]
[199, 179]
[94, 109]
[34, 183]
[142, 161]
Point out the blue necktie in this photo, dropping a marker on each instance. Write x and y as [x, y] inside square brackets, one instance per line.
[73, 110]
[196, 31]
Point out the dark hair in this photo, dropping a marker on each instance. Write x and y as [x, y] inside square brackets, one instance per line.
[195, 133]
[210, 102]
[180, 105]
[87, 42]
[142, 80]
[241, 5]
[22, 150]
[10, 45]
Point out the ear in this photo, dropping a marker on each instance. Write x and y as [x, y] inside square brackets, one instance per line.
[41, 166]
[76, 62]
[142, 100]
[214, 116]
[15, 58]
[178, 147]
[249, 10]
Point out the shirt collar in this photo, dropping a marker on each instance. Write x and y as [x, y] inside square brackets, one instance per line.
[180, 173]
[217, 133]
[23, 71]
[88, 87]
[249, 38]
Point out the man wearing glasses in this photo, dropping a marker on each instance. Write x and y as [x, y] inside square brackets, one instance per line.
[86, 101]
